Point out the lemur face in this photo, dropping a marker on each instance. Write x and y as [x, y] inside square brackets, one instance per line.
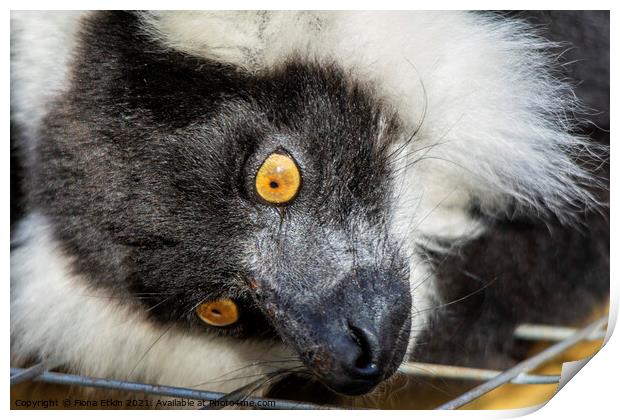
[175, 198]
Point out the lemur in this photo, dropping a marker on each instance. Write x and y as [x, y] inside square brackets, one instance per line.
[209, 196]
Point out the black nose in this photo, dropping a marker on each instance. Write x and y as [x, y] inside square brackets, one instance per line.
[352, 335]
[364, 359]
[356, 364]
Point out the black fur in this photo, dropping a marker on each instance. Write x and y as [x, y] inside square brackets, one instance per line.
[146, 169]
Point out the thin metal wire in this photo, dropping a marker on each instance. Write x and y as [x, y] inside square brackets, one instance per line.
[474, 374]
[551, 333]
[240, 393]
[31, 372]
[169, 391]
[518, 374]
[525, 366]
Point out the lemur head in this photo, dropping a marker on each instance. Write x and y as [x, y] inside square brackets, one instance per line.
[193, 181]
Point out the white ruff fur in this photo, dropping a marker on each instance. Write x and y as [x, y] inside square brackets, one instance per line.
[491, 128]
[492, 120]
[41, 46]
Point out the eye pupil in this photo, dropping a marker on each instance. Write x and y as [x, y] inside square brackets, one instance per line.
[218, 313]
[278, 179]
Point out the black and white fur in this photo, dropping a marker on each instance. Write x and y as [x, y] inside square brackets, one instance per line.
[415, 132]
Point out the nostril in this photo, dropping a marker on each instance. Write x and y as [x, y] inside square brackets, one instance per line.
[364, 361]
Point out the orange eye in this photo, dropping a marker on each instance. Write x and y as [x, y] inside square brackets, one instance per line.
[219, 313]
[278, 179]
